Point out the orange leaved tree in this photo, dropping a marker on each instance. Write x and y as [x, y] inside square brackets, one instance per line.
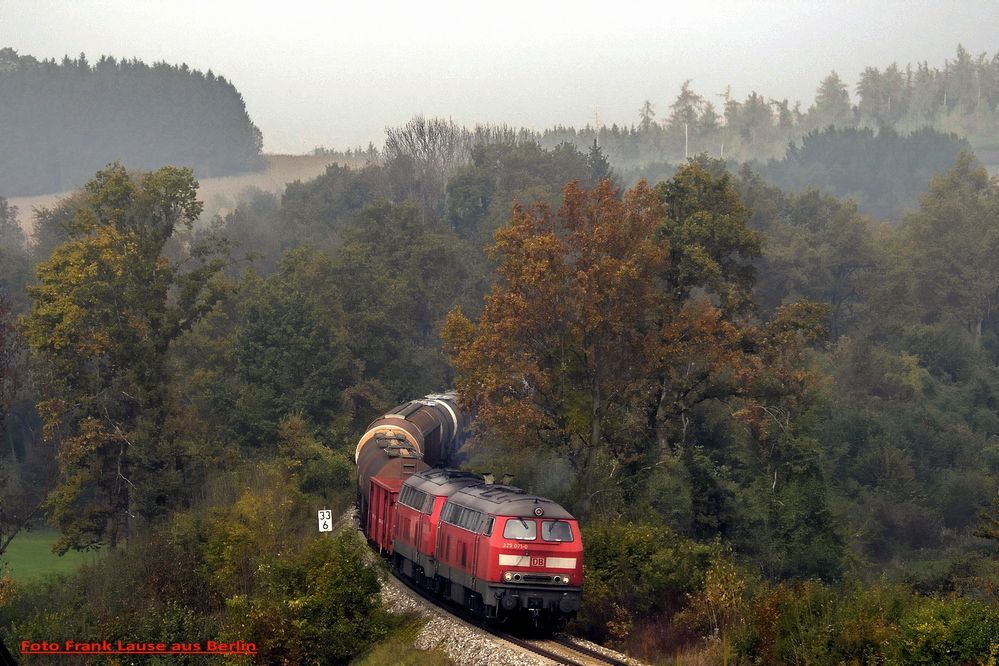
[614, 317]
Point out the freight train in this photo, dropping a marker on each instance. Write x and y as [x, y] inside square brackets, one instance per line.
[500, 552]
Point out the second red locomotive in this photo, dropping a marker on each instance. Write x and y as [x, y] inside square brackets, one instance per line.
[495, 549]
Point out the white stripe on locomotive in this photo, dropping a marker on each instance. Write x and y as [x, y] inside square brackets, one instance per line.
[525, 561]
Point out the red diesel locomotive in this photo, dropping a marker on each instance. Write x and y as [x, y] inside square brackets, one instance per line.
[495, 549]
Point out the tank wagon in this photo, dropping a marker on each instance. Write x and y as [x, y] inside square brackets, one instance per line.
[495, 549]
[414, 436]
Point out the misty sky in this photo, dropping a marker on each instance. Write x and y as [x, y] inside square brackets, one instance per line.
[337, 73]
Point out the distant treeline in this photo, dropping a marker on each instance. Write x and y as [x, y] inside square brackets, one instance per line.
[59, 122]
[961, 98]
[883, 171]
[907, 123]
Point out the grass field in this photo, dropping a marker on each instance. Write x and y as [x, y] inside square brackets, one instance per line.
[30, 556]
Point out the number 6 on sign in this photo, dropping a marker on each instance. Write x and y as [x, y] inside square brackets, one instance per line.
[325, 520]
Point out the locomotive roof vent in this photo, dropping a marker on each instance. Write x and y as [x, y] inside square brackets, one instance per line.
[508, 501]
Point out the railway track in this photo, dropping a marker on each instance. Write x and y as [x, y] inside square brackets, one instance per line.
[564, 651]
[557, 649]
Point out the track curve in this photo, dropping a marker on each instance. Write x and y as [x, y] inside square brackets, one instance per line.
[558, 649]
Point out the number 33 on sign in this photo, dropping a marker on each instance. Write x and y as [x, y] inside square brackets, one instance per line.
[325, 520]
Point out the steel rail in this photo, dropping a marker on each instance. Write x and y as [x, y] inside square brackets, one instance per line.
[589, 652]
[459, 612]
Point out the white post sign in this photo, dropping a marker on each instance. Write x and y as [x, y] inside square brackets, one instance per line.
[325, 520]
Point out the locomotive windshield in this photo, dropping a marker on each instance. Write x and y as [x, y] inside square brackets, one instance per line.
[556, 530]
[520, 529]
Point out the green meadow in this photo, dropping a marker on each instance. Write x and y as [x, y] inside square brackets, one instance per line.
[30, 556]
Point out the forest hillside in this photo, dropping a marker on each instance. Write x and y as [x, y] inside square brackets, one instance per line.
[61, 121]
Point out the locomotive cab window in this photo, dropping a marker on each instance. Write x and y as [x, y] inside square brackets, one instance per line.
[489, 526]
[520, 529]
[556, 530]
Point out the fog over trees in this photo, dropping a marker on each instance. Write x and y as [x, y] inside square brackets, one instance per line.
[961, 97]
[61, 121]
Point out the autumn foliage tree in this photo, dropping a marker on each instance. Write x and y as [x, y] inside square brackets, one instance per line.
[614, 317]
[561, 352]
[107, 305]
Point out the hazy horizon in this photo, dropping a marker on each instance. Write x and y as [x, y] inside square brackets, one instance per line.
[326, 74]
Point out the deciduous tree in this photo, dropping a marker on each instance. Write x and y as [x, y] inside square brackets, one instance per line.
[955, 247]
[437, 148]
[24, 472]
[104, 312]
[562, 351]
[616, 317]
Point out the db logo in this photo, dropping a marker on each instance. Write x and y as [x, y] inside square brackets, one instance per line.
[537, 561]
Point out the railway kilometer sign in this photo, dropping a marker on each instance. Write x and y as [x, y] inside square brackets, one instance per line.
[325, 520]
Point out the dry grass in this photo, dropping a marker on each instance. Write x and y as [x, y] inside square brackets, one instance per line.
[217, 193]
[397, 649]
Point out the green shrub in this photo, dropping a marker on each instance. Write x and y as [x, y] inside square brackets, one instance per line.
[812, 623]
[719, 603]
[266, 524]
[322, 608]
[948, 631]
[865, 621]
[635, 569]
[250, 568]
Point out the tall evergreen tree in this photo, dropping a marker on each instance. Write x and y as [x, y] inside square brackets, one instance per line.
[599, 166]
[832, 103]
[647, 115]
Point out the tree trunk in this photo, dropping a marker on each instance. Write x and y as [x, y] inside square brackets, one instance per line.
[586, 474]
[652, 415]
[10, 440]
[595, 413]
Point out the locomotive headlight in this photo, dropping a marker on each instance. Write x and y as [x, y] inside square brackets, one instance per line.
[508, 576]
[565, 580]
